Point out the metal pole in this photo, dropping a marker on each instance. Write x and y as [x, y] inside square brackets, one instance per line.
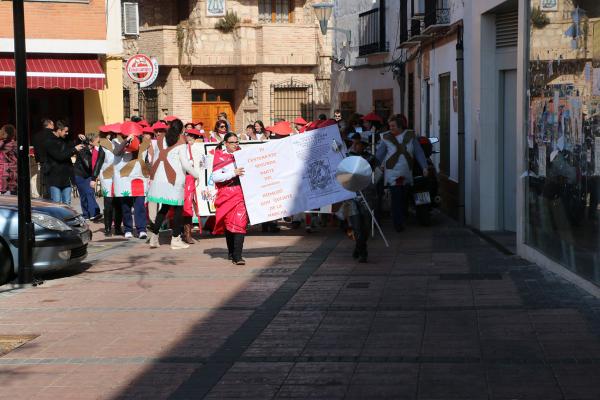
[374, 219]
[460, 68]
[24, 188]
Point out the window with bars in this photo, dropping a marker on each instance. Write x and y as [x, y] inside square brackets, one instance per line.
[276, 11]
[292, 99]
[148, 104]
[383, 102]
[126, 104]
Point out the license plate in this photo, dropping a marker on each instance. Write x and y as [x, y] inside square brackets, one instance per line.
[86, 237]
[422, 198]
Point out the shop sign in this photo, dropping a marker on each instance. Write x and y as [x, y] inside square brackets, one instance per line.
[142, 69]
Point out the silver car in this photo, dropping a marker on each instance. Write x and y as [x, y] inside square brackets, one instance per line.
[61, 236]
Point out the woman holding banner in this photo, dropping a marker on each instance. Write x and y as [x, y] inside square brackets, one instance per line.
[231, 215]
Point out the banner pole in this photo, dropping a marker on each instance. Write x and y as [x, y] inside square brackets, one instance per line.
[373, 219]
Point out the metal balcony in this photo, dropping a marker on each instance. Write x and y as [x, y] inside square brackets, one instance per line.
[371, 35]
[437, 21]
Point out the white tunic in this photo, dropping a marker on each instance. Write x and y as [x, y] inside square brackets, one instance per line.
[401, 169]
[162, 191]
[136, 183]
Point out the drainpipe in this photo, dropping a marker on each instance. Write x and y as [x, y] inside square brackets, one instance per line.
[460, 69]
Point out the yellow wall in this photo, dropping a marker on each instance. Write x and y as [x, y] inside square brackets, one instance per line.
[106, 106]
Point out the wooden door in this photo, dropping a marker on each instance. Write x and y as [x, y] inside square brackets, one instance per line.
[444, 124]
[207, 113]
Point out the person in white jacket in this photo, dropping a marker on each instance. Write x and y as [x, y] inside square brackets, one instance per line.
[170, 165]
[398, 150]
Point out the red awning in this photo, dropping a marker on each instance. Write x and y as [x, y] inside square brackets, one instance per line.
[55, 72]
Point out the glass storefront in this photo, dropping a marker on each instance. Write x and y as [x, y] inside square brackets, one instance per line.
[563, 135]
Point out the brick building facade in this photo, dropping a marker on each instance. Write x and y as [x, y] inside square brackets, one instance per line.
[74, 52]
[273, 64]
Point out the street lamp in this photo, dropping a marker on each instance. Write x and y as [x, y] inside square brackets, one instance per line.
[26, 229]
[323, 13]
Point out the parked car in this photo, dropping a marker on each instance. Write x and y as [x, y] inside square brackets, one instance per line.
[61, 236]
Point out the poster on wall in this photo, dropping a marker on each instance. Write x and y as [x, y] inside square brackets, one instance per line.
[549, 5]
[287, 176]
[215, 8]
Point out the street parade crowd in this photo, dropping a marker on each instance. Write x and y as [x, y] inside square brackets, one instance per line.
[147, 174]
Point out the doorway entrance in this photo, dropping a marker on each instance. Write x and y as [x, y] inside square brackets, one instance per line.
[508, 152]
[207, 104]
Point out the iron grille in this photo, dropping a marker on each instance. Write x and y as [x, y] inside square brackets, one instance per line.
[291, 99]
[148, 104]
[441, 16]
[126, 104]
[371, 33]
[507, 29]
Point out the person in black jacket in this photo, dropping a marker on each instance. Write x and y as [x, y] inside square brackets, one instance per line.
[59, 168]
[87, 168]
[39, 146]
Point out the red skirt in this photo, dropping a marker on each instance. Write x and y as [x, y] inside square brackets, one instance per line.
[231, 214]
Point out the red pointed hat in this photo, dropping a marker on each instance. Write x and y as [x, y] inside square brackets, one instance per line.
[170, 118]
[300, 121]
[148, 129]
[144, 123]
[282, 128]
[131, 128]
[160, 125]
[116, 128]
[193, 132]
[372, 117]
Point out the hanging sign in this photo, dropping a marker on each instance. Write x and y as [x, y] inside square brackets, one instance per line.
[142, 69]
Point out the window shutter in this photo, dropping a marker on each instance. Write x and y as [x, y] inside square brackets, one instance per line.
[131, 20]
[507, 29]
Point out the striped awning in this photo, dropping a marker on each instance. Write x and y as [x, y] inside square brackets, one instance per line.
[64, 71]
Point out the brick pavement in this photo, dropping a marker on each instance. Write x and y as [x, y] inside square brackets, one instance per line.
[440, 315]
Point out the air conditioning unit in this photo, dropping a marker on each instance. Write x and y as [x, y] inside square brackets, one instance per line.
[131, 19]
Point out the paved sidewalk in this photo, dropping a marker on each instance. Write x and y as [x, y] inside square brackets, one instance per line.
[439, 315]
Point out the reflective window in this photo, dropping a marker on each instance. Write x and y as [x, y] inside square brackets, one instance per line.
[563, 135]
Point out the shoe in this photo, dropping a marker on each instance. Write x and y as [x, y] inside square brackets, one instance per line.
[118, 232]
[178, 244]
[187, 234]
[143, 235]
[230, 257]
[107, 232]
[241, 261]
[153, 240]
[97, 218]
[128, 235]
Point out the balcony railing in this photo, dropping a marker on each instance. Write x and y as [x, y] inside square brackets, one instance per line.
[441, 16]
[371, 34]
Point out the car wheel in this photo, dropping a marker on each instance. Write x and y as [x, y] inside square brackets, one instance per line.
[6, 270]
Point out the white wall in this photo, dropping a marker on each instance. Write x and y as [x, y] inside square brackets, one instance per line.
[113, 27]
[481, 115]
[443, 60]
[363, 79]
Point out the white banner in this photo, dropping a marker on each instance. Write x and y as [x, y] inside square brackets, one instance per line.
[287, 176]
[205, 189]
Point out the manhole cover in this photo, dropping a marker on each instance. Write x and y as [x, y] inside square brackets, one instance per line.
[10, 342]
[358, 285]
